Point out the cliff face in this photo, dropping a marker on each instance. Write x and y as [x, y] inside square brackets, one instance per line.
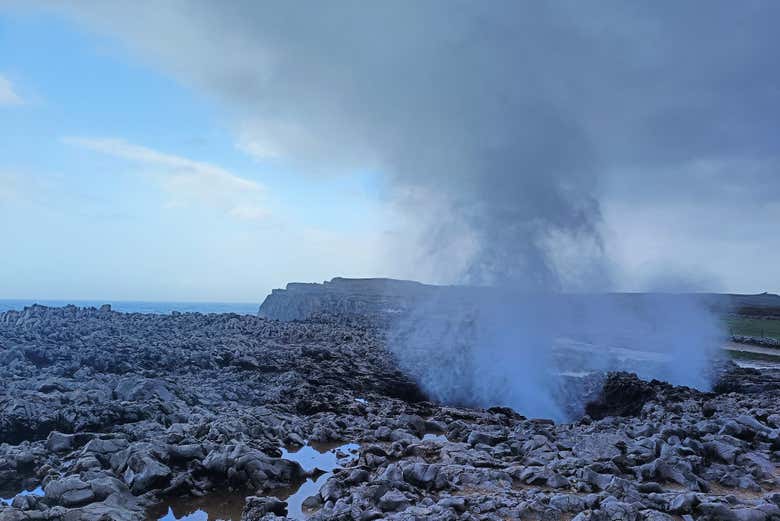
[385, 298]
[375, 298]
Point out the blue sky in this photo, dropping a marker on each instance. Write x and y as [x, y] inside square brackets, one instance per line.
[90, 203]
[200, 150]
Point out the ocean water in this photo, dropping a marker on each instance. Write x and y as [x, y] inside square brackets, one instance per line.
[127, 306]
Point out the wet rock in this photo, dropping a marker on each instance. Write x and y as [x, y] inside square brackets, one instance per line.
[312, 502]
[106, 486]
[622, 394]
[241, 464]
[69, 491]
[105, 449]
[143, 473]
[255, 508]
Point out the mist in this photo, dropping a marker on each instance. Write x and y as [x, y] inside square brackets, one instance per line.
[496, 346]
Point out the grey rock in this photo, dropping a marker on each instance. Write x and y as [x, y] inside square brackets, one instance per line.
[618, 511]
[69, 491]
[186, 404]
[683, 503]
[256, 508]
[144, 472]
[142, 389]
[655, 515]
[567, 502]
[483, 438]
[456, 503]
[59, 442]
[393, 500]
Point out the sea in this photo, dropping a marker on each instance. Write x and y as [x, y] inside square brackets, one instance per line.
[130, 306]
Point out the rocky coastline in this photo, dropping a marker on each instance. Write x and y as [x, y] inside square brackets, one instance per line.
[107, 416]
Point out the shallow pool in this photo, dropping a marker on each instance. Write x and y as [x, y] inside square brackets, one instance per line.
[227, 506]
[37, 491]
[320, 456]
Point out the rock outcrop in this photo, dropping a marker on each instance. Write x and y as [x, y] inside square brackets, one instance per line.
[373, 298]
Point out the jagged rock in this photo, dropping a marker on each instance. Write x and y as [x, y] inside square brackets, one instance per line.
[393, 500]
[567, 502]
[483, 438]
[654, 515]
[143, 473]
[622, 394]
[59, 442]
[722, 451]
[255, 508]
[683, 503]
[69, 491]
[241, 464]
[109, 412]
[142, 389]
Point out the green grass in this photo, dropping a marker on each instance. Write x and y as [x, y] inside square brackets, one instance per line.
[754, 327]
[741, 355]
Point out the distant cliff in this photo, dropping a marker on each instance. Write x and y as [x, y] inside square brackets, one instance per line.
[368, 297]
[385, 298]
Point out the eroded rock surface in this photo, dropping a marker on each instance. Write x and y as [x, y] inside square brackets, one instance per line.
[111, 413]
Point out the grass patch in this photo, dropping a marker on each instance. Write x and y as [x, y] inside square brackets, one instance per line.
[757, 327]
[743, 355]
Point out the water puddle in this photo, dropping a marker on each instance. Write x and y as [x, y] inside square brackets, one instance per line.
[37, 491]
[216, 506]
[227, 506]
[321, 456]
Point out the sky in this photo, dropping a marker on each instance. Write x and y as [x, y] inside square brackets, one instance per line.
[119, 182]
[207, 151]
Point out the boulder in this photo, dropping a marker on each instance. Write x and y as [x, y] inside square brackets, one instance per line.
[69, 491]
[256, 508]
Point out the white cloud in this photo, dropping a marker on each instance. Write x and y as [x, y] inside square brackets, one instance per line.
[257, 147]
[8, 95]
[188, 182]
[8, 186]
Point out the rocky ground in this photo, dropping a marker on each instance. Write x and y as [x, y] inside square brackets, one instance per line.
[112, 413]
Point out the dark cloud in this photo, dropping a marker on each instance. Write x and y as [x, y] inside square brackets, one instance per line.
[505, 126]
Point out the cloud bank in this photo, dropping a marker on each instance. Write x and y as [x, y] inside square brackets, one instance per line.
[504, 128]
[186, 181]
